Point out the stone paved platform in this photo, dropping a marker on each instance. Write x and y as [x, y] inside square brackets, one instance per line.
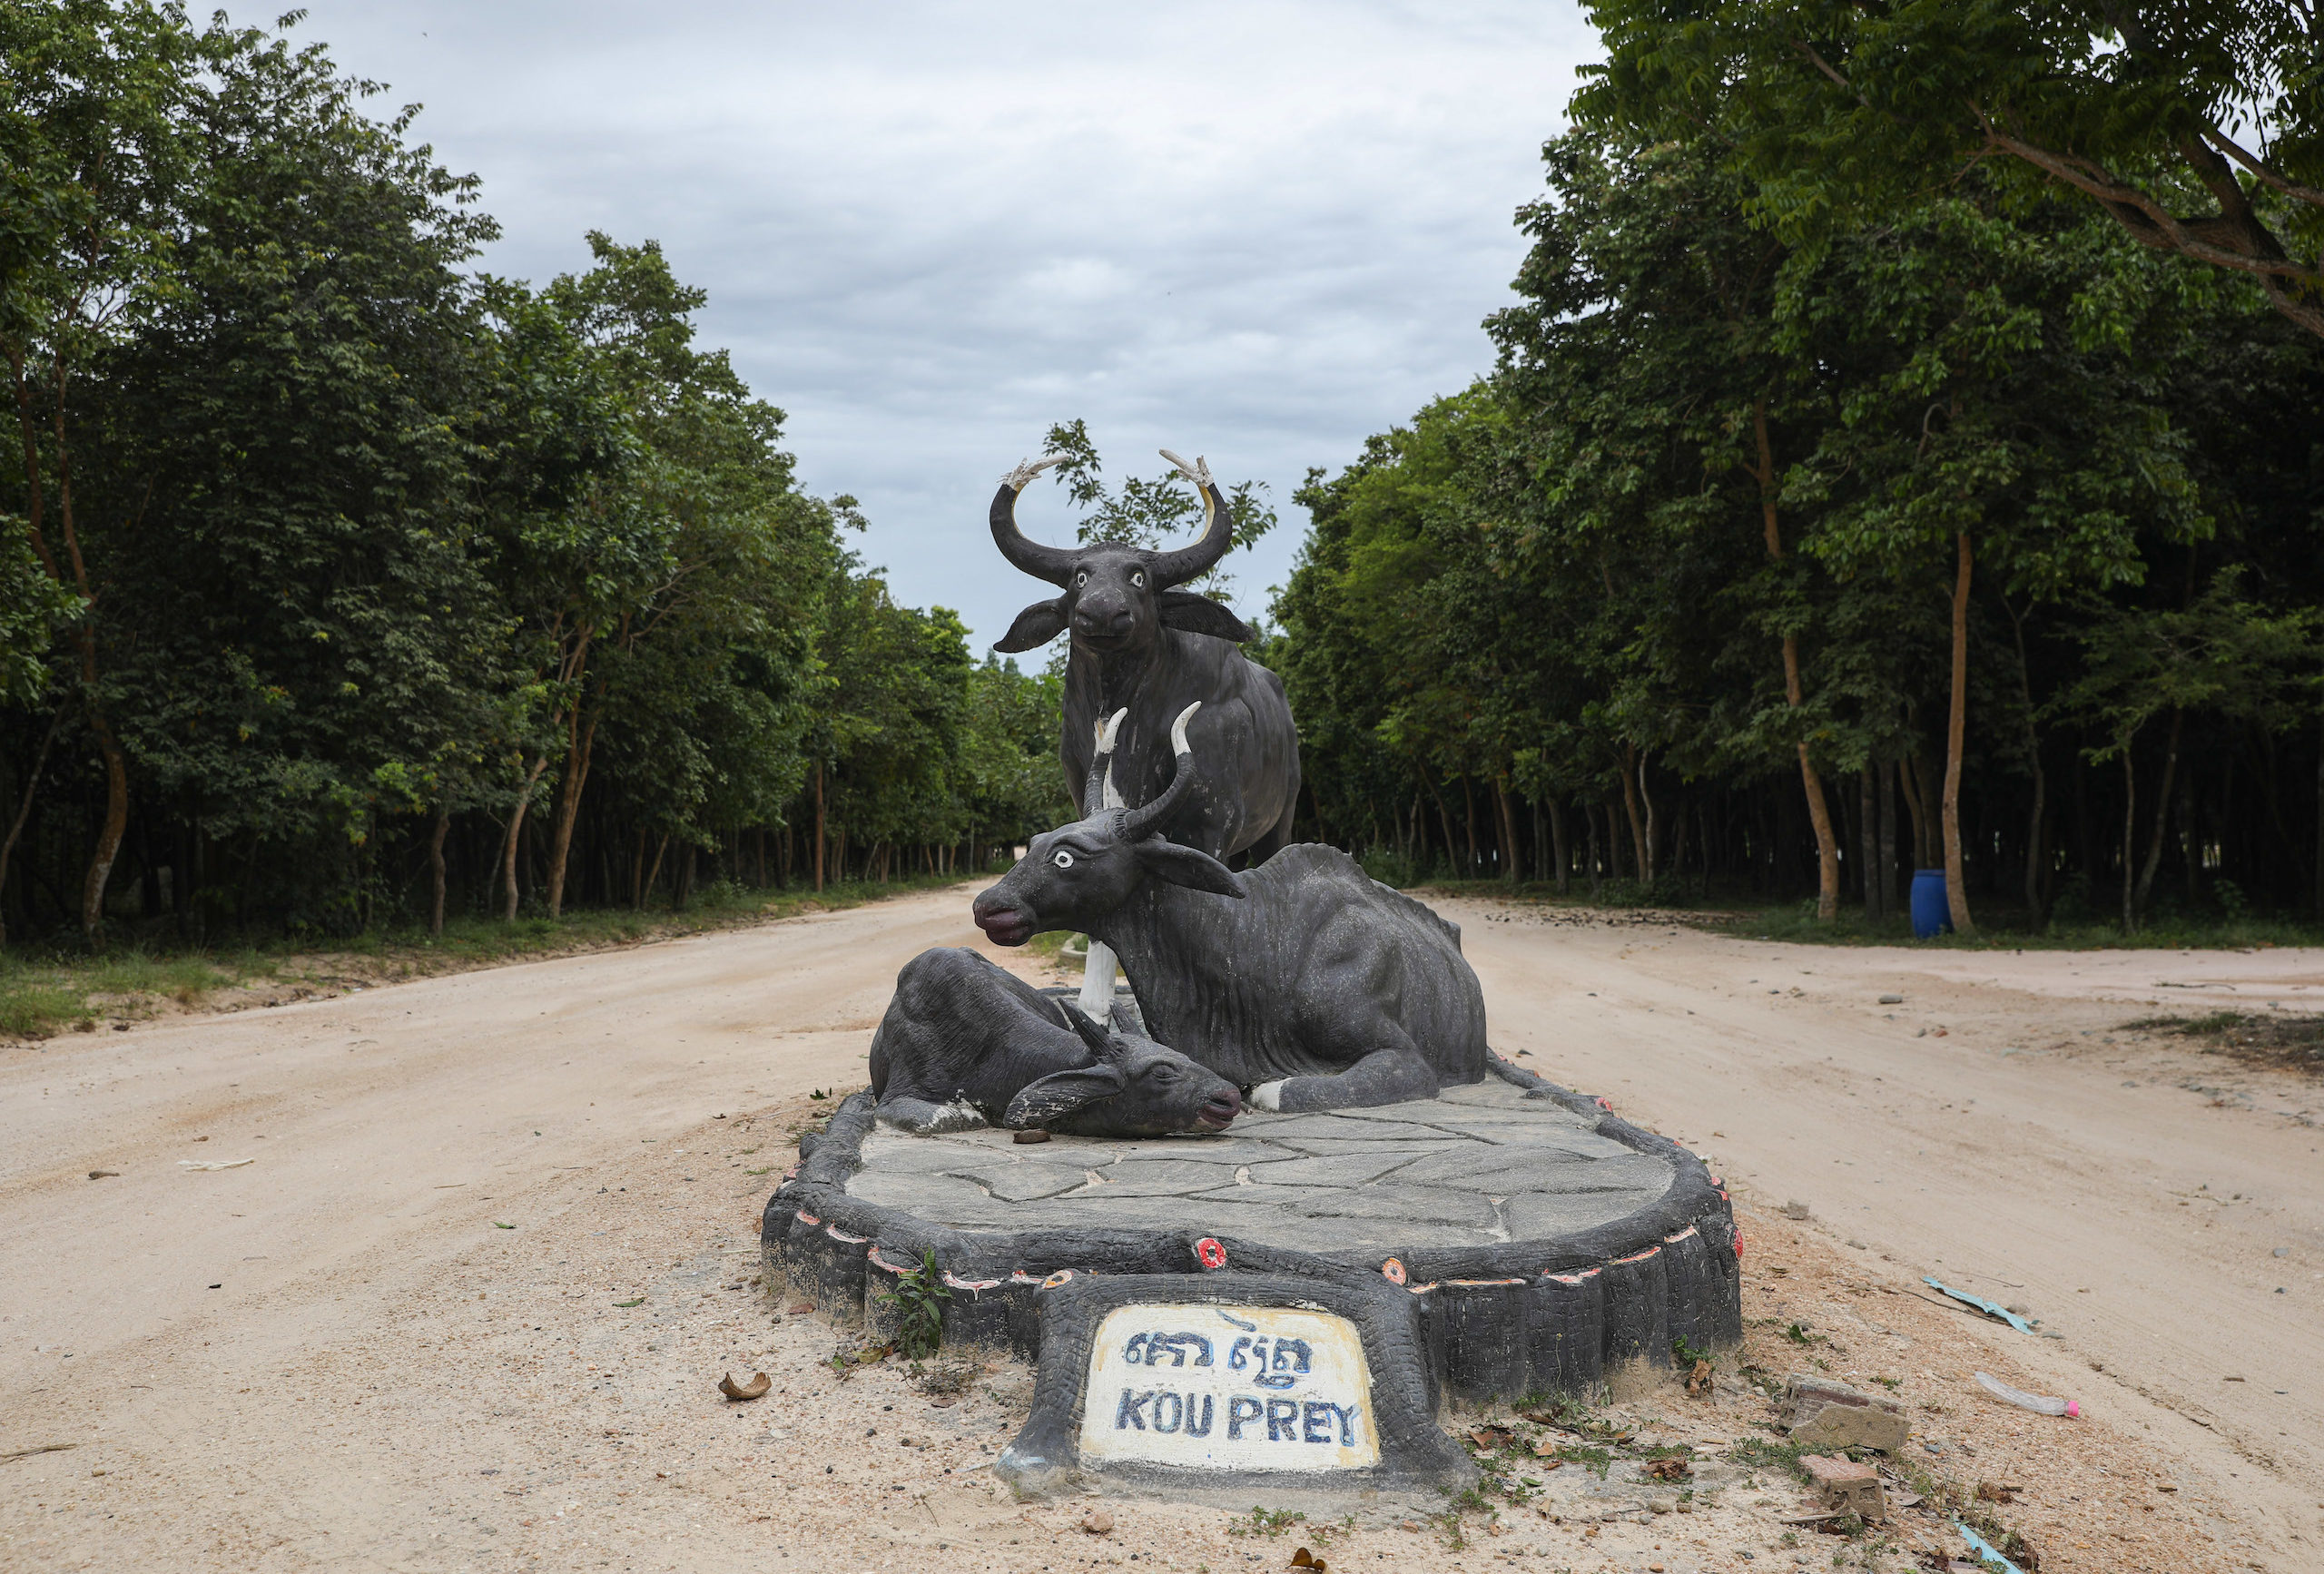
[1477, 1166]
[1550, 1246]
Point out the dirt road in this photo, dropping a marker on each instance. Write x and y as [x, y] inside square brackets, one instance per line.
[462, 1308]
[1996, 1128]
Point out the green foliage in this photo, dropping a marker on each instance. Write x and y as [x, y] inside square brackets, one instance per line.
[1687, 567]
[918, 1301]
[342, 568]
[1267, 1522]
[1150, 513]
[2197, 129]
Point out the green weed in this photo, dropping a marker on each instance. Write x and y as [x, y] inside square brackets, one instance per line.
[919, 1299]
[1265, 1522]
[1685, 1353]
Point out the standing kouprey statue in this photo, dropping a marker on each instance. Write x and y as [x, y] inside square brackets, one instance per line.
[1140, 644]
[1304, 979]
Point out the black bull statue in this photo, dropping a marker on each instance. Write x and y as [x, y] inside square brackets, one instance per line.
[1303, 981]
[1142, 645]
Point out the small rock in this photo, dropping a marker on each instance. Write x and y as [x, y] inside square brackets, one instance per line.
[2278, 1252]
[1098, 1522]
[1795, 1210]
[102, 1174]
[1847, 1485]
[1892, 999]
[1034, 1134]
[1663, 1505]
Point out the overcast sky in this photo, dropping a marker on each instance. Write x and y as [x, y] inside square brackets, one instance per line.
[1256, 232]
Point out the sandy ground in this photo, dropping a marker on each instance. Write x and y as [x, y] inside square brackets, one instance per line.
[467, 1307]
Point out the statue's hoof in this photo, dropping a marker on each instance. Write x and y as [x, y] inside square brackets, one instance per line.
[1268, 1095]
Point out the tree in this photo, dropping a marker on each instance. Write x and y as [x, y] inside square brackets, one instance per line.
[94, 142]
[1841, 110]
[2005, 405]
[1650, 344]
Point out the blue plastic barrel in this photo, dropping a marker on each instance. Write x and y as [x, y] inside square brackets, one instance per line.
[1932, 914]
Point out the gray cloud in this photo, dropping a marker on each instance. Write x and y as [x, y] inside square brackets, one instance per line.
[1256, 232]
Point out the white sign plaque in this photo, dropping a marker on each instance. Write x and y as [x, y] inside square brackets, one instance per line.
[1228, 1388]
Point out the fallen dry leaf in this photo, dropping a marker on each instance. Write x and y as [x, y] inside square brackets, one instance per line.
[756, 1388]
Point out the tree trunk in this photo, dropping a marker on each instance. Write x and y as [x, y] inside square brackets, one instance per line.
[2130, 834]
[1910, 776]
[1886, 864]
[1468, 825]
[1819, 812]
[655, 873]
[819, 826]
[1591, 810]
[116, 823]
[1630, 808]
[1867, 811]
[515, 840]
[24, 811]
[1956, 732]
[1511, 869]
[2161, 811]
[1652, 846]
[1556, 842]
[2040, 781]
[581, 742]
[436, 869]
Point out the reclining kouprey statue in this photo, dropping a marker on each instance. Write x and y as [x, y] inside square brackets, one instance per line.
[1304, 982]
[966, 1045]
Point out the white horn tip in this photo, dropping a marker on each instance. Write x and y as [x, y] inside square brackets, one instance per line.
[1107, 728]
[1178, 744]
[1017, 479]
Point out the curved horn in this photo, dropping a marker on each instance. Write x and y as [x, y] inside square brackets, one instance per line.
[1049, 563]
[1093, 796]
[1217, 529]
[1138, 822]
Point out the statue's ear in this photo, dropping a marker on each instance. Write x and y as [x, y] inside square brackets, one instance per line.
[1183, 609]
[1037, 624]
[1185, 866]
[1061, 1093]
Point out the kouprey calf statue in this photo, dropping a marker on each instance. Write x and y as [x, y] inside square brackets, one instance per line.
[1305, 980]
[966, 1045]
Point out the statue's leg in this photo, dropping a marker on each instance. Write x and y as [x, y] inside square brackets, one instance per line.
[922, 1118]
[1097, 983]
[1384, 1076]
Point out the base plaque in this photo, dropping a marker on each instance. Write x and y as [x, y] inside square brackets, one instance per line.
[1214, 1380]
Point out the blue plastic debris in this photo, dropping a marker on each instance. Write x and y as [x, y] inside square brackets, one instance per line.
[1986, 1553]
[1989, 1308]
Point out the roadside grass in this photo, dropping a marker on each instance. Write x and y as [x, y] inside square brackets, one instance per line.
[41, 994]
[2000, 928]
[2276, 1038]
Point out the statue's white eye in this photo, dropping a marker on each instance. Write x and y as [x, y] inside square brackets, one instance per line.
[1081, 578]
[1138, 579]
[1063, 860]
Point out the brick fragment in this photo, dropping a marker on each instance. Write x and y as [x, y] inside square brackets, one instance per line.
[1847, 1486]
